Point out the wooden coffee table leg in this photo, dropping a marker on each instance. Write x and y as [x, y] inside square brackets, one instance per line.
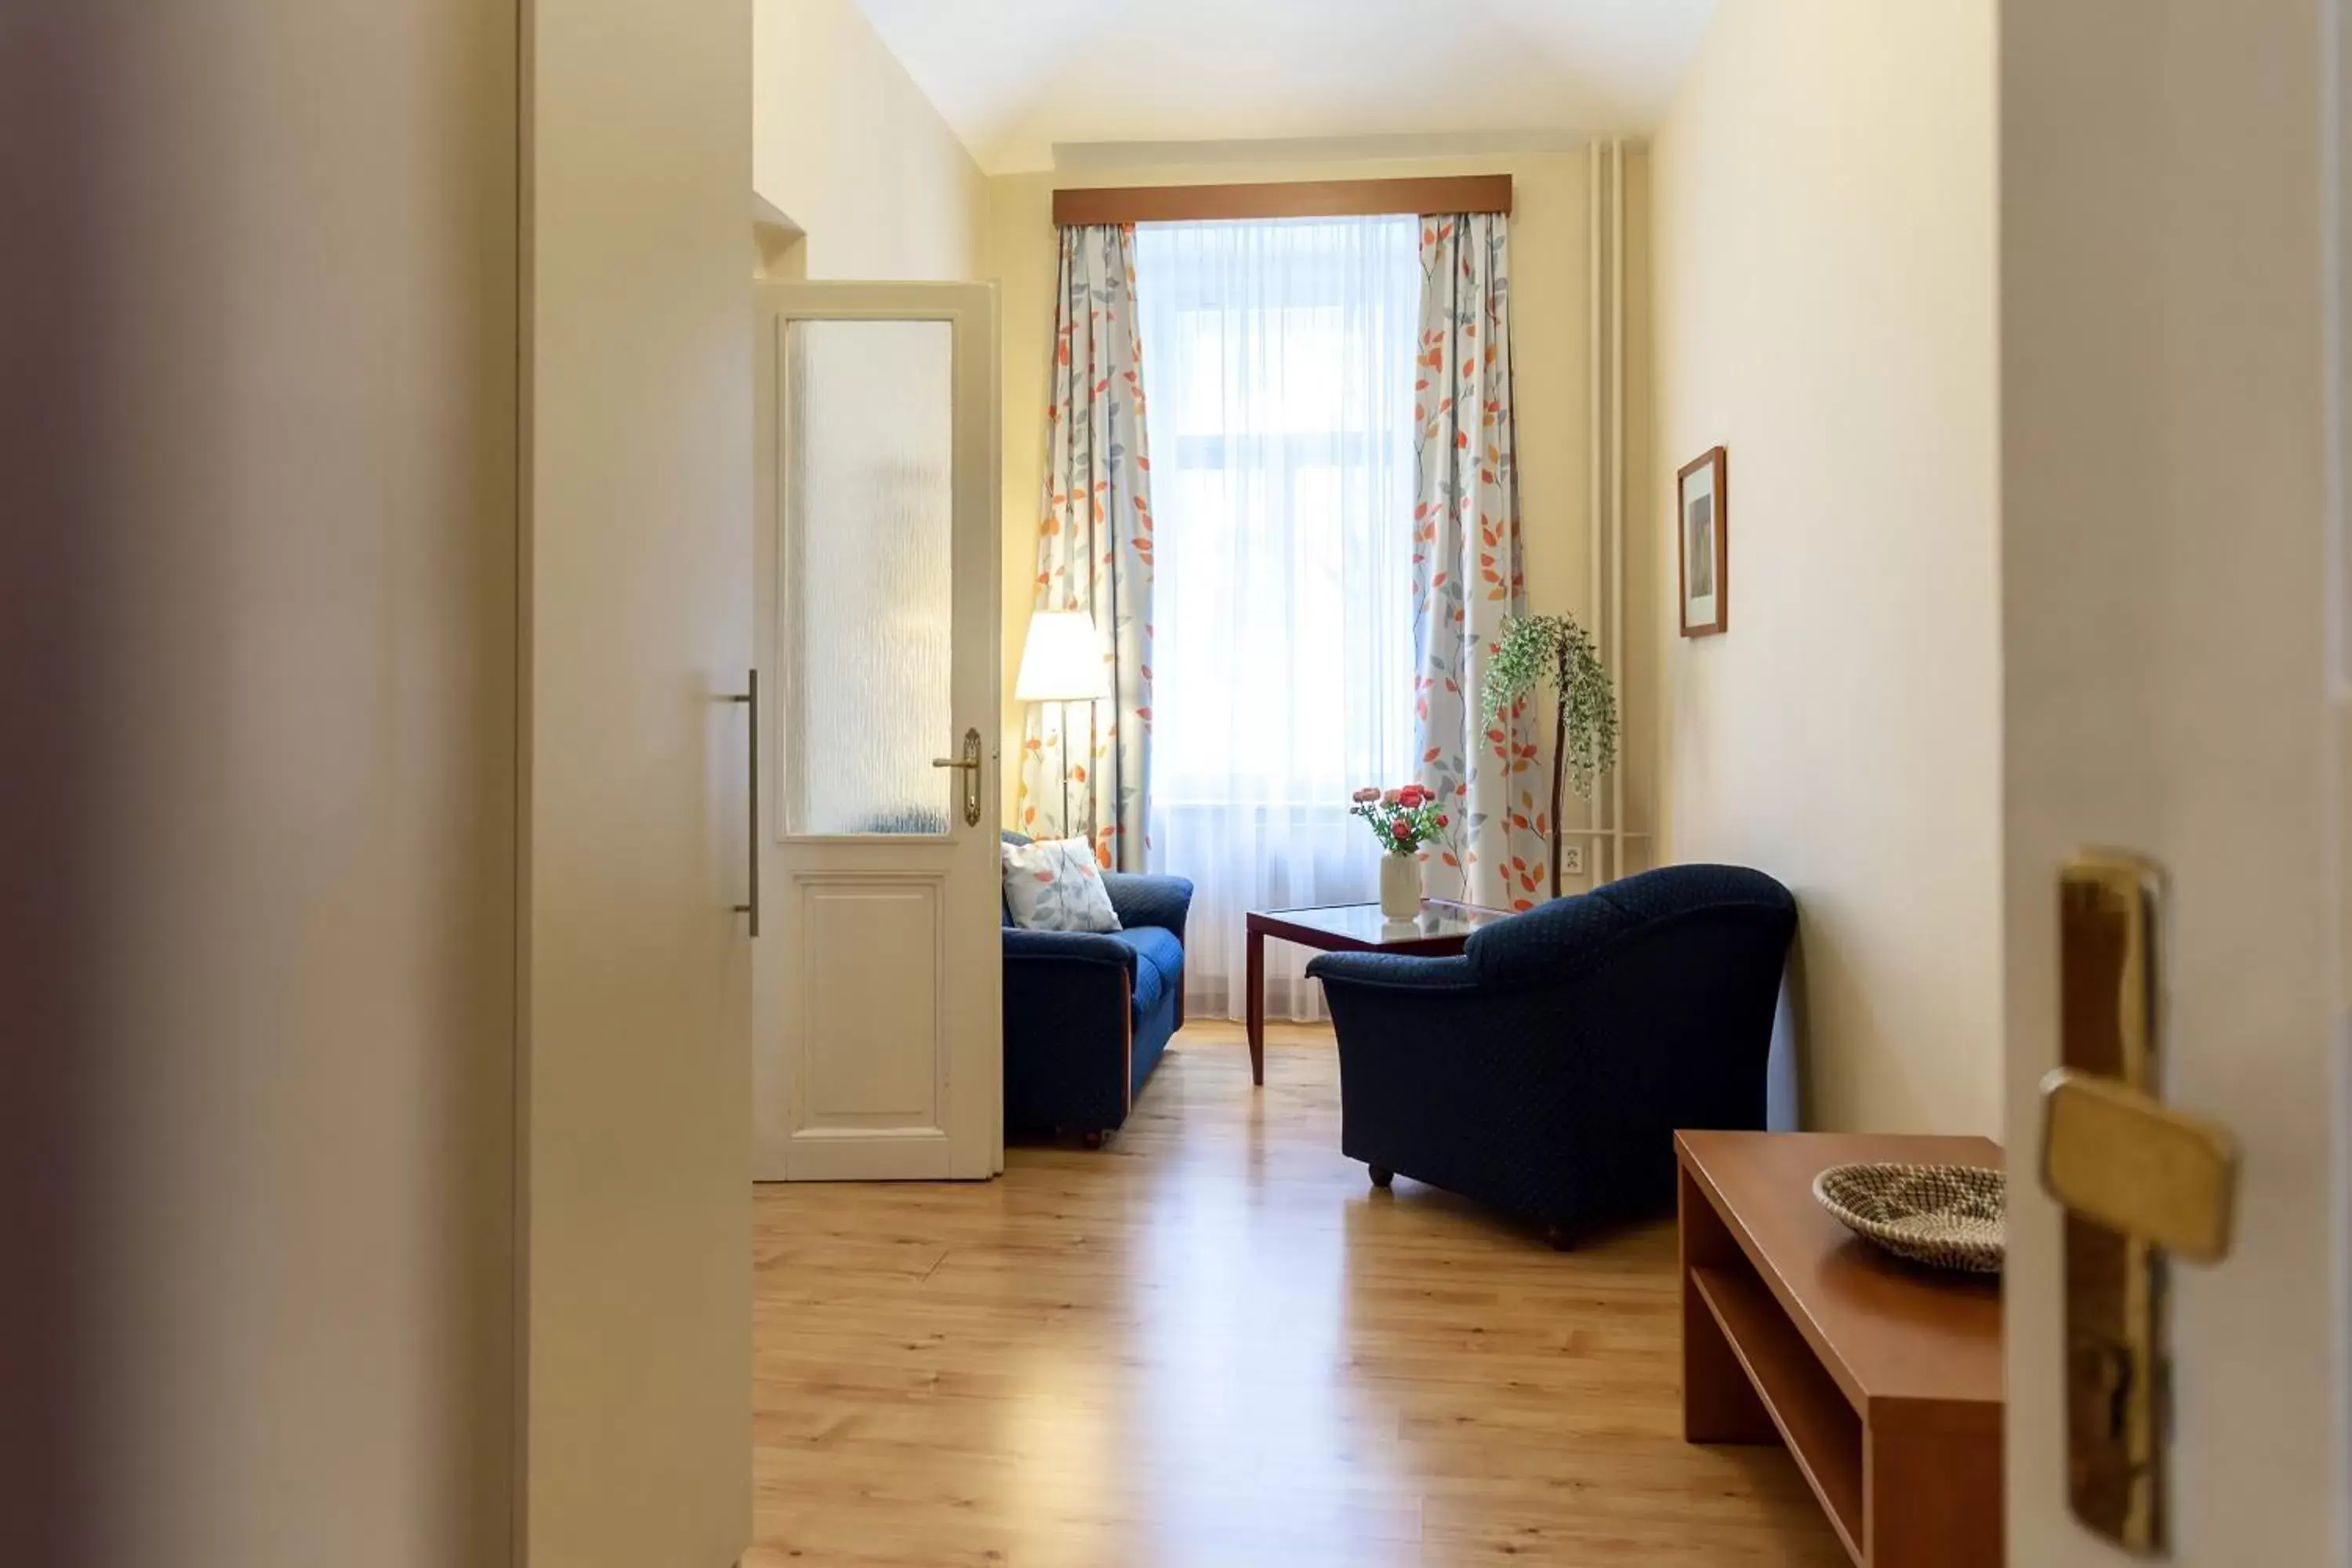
[1254, 1005]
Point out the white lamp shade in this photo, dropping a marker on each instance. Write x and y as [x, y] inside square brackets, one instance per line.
[1063, 660]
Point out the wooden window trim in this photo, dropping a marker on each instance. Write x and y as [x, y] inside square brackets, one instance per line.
[1310, 198]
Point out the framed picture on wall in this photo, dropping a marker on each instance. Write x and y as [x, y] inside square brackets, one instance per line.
[1699, 493]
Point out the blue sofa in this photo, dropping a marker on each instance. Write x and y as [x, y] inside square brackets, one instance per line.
[1087, 1015]
[1545, 1070]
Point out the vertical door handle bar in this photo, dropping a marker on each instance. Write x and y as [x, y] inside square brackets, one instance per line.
[751, 701]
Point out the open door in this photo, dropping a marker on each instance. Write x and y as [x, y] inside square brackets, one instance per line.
[877, 1017]
[2177, 621]
[636, 965]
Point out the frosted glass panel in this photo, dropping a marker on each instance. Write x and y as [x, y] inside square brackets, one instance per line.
[867, 601]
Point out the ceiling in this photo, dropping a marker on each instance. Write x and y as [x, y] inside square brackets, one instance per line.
[1018, 79]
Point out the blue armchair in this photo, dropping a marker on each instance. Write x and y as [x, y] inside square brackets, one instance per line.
[1545, 1069]
[1087, 1015]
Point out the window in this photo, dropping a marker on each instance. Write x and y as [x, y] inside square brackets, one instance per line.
[1278, 360]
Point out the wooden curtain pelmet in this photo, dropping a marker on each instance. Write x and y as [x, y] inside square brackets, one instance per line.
[1311, 198]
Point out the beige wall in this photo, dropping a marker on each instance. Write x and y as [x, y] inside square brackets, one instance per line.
[1550, 338]
[1824, 197]
[849, 149]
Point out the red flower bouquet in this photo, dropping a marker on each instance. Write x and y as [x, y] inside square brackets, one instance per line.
[1403, 819]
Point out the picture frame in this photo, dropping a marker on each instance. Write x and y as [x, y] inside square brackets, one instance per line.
[1701, 541]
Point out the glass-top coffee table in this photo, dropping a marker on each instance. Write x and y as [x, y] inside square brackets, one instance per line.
[1438, 931]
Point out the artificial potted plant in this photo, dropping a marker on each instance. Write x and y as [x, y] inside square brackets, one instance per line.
[1535, 649]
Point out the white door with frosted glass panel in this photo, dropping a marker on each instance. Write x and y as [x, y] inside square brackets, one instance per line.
[2177, 616]
[877, 1031]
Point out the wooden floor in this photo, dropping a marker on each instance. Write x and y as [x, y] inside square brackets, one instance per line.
[1212, 1346]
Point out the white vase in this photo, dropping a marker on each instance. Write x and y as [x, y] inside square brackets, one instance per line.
[1400, 885]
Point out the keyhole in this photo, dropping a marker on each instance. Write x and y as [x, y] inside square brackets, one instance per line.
[2115, 1376]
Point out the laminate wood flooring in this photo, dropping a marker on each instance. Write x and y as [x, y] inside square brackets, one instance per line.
[1212, 1344]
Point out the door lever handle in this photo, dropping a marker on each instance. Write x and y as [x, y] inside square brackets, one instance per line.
[968, 764]
[2125, 1160]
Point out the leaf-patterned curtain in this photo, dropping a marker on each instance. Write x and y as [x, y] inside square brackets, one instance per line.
[1466, 577]
[1094, 553]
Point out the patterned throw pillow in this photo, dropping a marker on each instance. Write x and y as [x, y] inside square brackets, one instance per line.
[1054, 884]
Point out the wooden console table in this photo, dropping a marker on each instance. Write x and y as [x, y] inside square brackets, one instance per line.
[1883, 1378]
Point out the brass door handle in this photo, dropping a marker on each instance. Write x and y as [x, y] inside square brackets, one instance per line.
[2127, 1160]
[969, 764]
[2139, 1180]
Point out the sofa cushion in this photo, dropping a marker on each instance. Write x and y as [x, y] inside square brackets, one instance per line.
[1055, 885]
[1158, 962]
[1152, 1030]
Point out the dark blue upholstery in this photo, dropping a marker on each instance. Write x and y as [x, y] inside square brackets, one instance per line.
[1087, 1015]
[1545, 1070]
[1159, 965]
[1161, 903]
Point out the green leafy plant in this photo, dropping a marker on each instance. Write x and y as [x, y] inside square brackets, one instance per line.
[1536, 648]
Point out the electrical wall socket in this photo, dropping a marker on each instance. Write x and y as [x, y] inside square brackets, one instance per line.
[1571, 860]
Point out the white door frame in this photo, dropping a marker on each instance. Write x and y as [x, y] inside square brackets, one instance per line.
[822, 1021]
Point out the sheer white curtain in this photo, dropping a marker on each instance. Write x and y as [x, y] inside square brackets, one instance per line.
[1278, 365]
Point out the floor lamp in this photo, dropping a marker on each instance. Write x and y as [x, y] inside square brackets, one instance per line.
[1063, 661]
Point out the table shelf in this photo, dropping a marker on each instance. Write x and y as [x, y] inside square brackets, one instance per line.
[1821, 1430]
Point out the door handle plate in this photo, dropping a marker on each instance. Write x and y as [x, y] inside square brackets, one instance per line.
[969, 764]
[2140, 1183]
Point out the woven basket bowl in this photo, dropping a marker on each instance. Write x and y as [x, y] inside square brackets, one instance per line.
[1950, 1216]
